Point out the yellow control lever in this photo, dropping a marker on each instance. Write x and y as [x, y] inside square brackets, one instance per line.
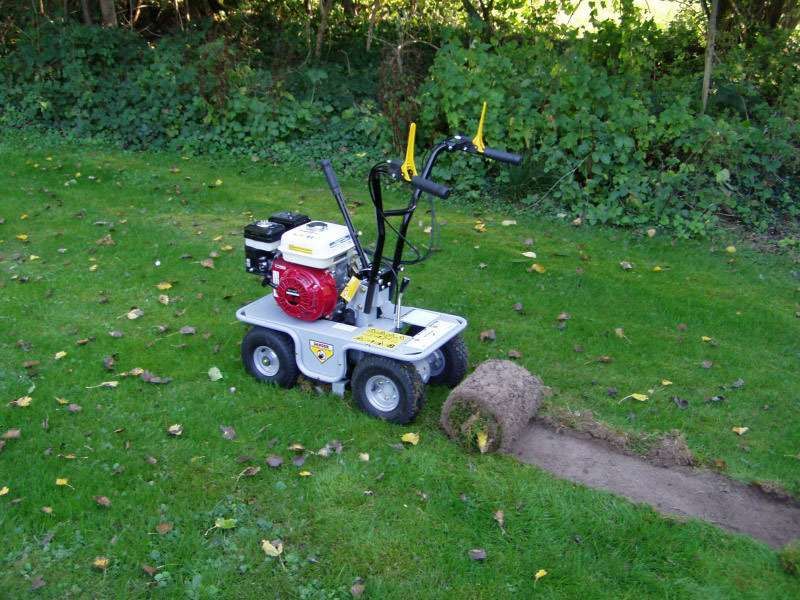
[477, 141]
[408, 169]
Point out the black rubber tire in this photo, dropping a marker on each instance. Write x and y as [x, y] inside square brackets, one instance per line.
[282, 345]
[403, 375]
[456, 361]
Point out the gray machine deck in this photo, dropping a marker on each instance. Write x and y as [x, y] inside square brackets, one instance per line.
[321, 346]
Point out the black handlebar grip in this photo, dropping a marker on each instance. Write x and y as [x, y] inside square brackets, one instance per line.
[333, 183]
[506, 157]
[426, 185]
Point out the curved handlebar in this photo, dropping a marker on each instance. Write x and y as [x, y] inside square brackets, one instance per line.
[426, 185]
[502, 156]
[333, 183]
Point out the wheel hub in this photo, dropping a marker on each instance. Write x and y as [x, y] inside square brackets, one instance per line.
[266, 361]
[382, 393]
[436, 362]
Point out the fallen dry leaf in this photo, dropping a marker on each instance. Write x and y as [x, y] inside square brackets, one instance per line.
[175, 430]
[102, 501]
[250, 472]
[21, 402]
[37, 583]
[164, 527]
[537, 268]
[304, 473]
[410, 438]
[59, 355]
[4, 490]
[207, 263]
[12, 434]
[164, 286]
[626, 266]
[274, 461]
[101, 563]
[508, 222]
[214, 374]
[62, 481]
[482, 439]
[228, 432]
[740, 430]
[163, 299]
[500, 517]
[272, 548]
[477, 554]
[637, 396]
[539, 574]
[363, 456]
[358, 588]
[489, 335]
[134, 313]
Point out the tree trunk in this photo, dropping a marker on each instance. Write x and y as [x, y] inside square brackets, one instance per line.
[86, 14]
[373, 21]
[324, 10]
[109, 13]
[178, 13]
[711, 40]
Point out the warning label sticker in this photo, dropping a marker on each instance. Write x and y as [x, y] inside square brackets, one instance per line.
[321, 350]
[381, 338]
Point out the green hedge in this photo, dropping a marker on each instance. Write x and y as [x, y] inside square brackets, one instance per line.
[183, 93]
[640, 150]
[609, 121]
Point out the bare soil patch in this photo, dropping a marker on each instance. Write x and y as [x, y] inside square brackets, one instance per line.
[663, 480]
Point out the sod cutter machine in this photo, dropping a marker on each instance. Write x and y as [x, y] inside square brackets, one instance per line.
[336, 314]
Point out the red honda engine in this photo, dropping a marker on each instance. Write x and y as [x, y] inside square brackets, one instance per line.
[304, 292]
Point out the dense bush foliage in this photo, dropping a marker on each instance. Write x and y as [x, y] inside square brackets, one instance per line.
[640, 150]
[184, 93]
[609, 120]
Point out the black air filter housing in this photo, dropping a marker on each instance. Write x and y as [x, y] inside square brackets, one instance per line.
[267, 232]
[289, 219]
[261, 240]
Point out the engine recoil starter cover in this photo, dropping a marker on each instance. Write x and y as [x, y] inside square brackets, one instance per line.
[304, 292]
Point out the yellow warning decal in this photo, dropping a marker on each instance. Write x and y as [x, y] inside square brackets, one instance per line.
[381, 338]
[321, 350]
[300, 249]
[350, 289]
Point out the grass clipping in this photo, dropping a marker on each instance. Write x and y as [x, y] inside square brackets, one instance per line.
[490, 408]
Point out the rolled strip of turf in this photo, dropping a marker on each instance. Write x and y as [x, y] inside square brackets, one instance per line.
[491, 407]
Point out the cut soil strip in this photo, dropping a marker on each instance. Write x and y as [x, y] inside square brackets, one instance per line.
[682, 491]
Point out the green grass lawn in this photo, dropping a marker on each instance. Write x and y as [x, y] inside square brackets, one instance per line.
[404, 520]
